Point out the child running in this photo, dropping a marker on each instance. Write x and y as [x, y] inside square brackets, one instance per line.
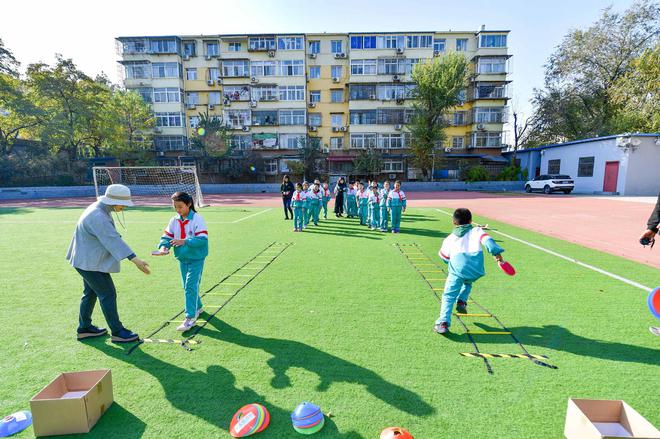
[396, 202]
[462, 252]
[297, 202]
[374, 208]
[384, 214]
[327, 195]
[362, 204]
[187, 233]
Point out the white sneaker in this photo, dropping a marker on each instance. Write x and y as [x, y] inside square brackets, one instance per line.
[187, 324]
[199, 312]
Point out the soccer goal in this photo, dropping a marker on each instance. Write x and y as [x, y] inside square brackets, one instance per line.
[151, 183]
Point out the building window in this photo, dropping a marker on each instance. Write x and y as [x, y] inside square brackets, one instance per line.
[261, 43]
[363, 66]
[292, 93]
[388, 92]
[314, 46]
[419, 41]
[145, 93]
[163, 46]
[363, 140]
[554, 166]
[314, 119]
[240, 142]
[489, 115]
[492, 41]
[337, 120]
[459, 118]
[337, 95]
[292, 117]
[194, 122]
[137, 70]
[134, 46]
[192, 98]
[315, 96]
[268, 93]
[165, 70]
[170, 143]
[212, 48]
[390, 41]
[387, 141]
[457, 142]
[235, 68]
[270, 166]
[315, 72]
[292, 141]
[461, 45]
[292, 68]
[363, 42]
[392, 166]
[363, 117]
[264, 117]
[290, 43]
[336, 46]
[490, 91]
[235, 47]
[191, 74]
[214, 98]
[214, 73]
[491, 65]
[439, 44]
[236, 92]
[167, 95]
[336, 71]
[336, 142]
[264, 68]
[237, 118]
[487, 140]
[585, 167]
[189, 48]
[168, 119]
[362, 91]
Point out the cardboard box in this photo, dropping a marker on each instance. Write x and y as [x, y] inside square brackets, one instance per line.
[603, 419]
[72, 403]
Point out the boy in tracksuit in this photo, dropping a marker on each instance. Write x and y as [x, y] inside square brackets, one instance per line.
[384, 215]
[297, 202]
[462, 252]
[306, 207]
[326, 198]
[315, 199]
[396, 202]
[374, 208]
[350, 202]
[362, 203]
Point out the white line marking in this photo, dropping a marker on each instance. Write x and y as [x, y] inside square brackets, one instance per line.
[567, 258]
[250, 216]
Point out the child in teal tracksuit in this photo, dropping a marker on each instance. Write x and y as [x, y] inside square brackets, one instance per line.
[327, 195]
[462, 252]
[187, 233]
[315, 200]
[374, 208]
[307, 212]
[396, 202]
[351, 204]
[297, 202]
[384, 214]
[362, 204]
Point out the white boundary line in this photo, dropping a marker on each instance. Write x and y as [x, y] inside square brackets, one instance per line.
[250, 216]
[567, 258]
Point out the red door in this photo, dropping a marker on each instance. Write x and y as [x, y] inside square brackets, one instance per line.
[611, 176]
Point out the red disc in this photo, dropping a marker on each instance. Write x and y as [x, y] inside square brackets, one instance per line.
[507, 268]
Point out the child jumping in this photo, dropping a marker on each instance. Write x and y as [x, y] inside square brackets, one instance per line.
[362, 203]
[187, 233]
[396, 202]
[384, 214]
[462, 252]
[327, 195]
[297, 202]
[374, 208]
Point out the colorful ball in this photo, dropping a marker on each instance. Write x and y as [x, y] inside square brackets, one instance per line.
[201, 131]
[307, 418]
[248, 420]
[253, 169]
[654, 302]
[395, 433]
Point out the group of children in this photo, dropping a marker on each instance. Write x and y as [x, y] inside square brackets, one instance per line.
[373, 205]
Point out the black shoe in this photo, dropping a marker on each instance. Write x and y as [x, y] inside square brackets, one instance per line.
[461, 307]
[124, 336]
[441, 328]
[91, 331]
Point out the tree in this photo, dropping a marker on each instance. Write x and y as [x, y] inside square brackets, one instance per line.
[576, 101]
[130, 122]
[438, 84]
[211, 136]
[368, 162]
[18, 114]
[310, 155]
[8, 63]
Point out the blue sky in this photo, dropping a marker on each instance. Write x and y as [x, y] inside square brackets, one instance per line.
[84, 30]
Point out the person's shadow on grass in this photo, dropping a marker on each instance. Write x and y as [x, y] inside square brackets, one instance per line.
[287, 354]
[210, 395]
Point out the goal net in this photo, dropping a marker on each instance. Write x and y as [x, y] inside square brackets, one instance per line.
[153, 184]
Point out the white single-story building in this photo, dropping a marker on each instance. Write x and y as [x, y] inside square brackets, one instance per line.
[623, 164]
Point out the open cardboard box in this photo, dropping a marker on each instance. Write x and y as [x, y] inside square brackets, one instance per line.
[72, 403]
[605, 419]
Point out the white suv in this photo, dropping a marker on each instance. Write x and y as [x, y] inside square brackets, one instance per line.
[550, 183]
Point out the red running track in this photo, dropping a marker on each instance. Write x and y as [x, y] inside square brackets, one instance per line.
[608, 225]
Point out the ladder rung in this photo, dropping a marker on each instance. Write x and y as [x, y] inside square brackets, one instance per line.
[430, 271]
[169, 340]
[181, 321]
[434, 279]
[473, 315]
[490, 332]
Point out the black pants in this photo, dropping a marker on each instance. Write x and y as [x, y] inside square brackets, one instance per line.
[287, 207]
[99, 285]
[339, 203]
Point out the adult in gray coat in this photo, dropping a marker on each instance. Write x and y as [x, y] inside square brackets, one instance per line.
[96, 251]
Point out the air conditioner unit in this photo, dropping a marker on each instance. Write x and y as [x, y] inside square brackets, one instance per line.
[186, 57]
[160, 153]
[191, 106]
[271, 53]
[218, 81]
[436, 53]
[208, 57]
[211, 107]
[396, 78]
[343, 128]
[399, 50]
[398, 127]
[335, 79]
[481, 126]
[254, 79]
[313, 128]
[372, 97]
[158, 130]
[246, 128]
[312, 55]
[253, 104]
[392, 176]
[399, 101]
[326, 150]
[226, 102]
[340, 55]
[447, 150]
[312, 105]
[210, 82]
[142, 84]
[335, 129]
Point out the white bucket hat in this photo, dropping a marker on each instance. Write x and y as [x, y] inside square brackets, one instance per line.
[117, 194]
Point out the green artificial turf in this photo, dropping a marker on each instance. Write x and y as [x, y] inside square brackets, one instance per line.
[340, 319]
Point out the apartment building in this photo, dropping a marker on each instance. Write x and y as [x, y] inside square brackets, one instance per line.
[343, 92]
